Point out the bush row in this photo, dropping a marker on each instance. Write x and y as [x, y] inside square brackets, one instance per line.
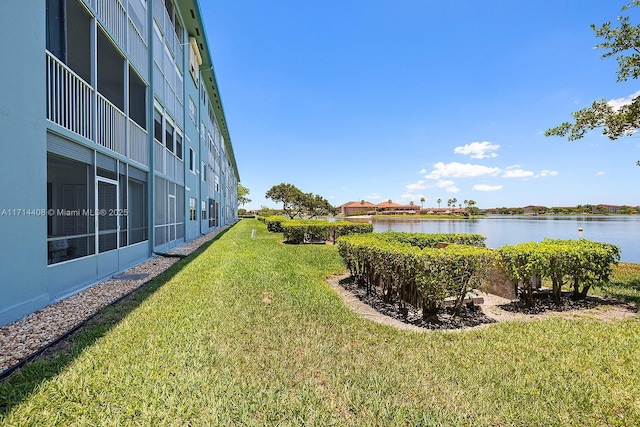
[424, 240]
[417, 274]
[405, 267]
[274, 222]
[578, 263]
[318, 231]
[313, 230]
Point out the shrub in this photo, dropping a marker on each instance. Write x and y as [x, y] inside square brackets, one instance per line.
[313, 231]
[580, 263]
[274, 223]
[424, 240]
[408, 274]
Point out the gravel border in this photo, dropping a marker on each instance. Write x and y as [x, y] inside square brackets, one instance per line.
[25, 338]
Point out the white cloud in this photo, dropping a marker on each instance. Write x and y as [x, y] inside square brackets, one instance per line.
[422, 171]
[517, 173]
[460, 170]
[452, 189]
[620, 102]
[478, 150]
[600, 173]
[443, 184]
[485, 187]
[420, 185]
[374, 196]
[545, 172]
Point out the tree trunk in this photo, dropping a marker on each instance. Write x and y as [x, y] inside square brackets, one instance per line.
[556, 289]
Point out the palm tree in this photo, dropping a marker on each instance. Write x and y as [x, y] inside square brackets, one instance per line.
[421, 202]
[439, 201]
[472, 204]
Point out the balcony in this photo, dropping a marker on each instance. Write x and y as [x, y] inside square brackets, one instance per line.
[69, 98]
[75, 105]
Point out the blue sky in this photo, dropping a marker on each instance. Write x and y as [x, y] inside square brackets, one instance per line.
[404, 99]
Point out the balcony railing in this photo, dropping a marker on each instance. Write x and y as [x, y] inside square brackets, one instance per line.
[159, 152]
[138, 143]
[69, 98]
[138, 51]
[114, 17]
[111, 126]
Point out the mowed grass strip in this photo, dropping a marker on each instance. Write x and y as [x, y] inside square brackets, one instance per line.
[248, 333]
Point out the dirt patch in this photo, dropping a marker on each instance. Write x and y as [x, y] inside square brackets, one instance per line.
[493, 309]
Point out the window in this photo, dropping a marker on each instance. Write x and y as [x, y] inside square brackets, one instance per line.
[169, 5]
[203, 207]
[169, 205]
[192, 160]
[195, 60]
[178, 27]
[70, 202]
[137, 211]
[193, 213]
[203, 172]
[178, 146]
[137, 99]
[157, 126]
[68, 33]
[110, 71]
[169, 137]
[192, 111]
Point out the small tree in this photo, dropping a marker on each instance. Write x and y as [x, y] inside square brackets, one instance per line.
[243, 192]
[295, 202]
[614, 121]
[315, 205]
[287, 194]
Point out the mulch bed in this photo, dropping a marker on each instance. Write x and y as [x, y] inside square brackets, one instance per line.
[469, 316]
[543, 303]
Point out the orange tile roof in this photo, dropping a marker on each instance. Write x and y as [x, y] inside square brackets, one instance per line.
[357, 205]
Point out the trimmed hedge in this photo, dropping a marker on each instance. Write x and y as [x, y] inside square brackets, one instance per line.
[410, 274]
[425, 240]
[320, 231]
[405, 267]
[579, 263]
[274, 222]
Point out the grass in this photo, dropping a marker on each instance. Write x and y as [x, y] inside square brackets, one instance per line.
[248, 333]
[625, 283]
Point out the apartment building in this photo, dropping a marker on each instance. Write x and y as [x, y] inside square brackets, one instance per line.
[115, 143]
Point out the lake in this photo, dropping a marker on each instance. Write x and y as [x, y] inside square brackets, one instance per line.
[623, 231]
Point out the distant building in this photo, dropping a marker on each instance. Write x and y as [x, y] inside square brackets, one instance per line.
[356, 208]
[612, 209]
[364, 207]
[395, 208]
[534, 210]
[115, 142]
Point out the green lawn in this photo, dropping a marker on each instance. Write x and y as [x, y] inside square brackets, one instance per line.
[248, 333]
